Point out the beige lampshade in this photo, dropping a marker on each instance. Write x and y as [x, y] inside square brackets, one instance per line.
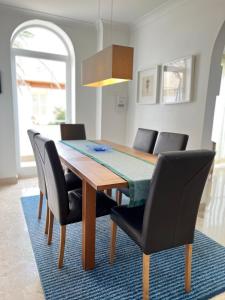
[109, 66]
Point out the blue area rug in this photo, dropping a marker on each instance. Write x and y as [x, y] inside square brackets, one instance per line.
[123, 280]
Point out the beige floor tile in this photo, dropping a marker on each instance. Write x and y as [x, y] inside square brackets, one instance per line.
[19, 278]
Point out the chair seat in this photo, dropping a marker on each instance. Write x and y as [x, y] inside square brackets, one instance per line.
[72, 181]
[103, 205]
[130, 219]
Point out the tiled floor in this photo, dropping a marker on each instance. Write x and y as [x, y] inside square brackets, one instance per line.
[19, 277]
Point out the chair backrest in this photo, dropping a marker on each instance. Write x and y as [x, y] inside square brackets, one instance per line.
[41, 179]
[55, 180]
[169, 141]
[174, 197]
[145, 140]
[72, 131]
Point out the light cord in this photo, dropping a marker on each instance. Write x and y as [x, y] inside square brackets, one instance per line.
[111, 23]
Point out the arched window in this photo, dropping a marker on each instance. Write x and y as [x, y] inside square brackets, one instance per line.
[43, 66]
[39, 39]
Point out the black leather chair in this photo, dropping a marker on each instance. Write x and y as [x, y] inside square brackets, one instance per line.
[65, 206]
[169, 216]
[40, 173]
[72, 131]
[72, 181]
[169, 141]
[144, 141]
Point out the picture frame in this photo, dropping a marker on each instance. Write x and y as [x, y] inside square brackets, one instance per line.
[148, 85]
[177, 80]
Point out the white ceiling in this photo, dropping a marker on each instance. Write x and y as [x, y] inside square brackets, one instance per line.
[126, 11]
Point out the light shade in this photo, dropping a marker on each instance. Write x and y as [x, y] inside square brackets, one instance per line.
[109, 66]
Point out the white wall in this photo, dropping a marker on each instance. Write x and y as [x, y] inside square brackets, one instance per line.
[113, 121]
[83, 36]
[213, 90]
[187, 27]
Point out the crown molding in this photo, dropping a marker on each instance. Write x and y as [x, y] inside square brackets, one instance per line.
[152, 16]
[41, 14]
[157, 13]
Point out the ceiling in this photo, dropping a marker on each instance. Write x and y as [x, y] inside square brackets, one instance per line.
[125, 11]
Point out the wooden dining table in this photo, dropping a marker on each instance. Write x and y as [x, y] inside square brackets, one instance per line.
[95, 177]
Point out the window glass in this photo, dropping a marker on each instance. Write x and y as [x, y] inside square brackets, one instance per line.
[39, 39]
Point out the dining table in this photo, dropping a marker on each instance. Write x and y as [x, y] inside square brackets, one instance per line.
[95, 177]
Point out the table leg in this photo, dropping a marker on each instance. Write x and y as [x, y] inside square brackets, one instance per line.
[88, 226]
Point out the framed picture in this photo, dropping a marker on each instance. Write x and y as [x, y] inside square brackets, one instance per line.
[177, 77]
[148, 85]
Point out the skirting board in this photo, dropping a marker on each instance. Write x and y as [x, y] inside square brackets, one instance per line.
[8, 180]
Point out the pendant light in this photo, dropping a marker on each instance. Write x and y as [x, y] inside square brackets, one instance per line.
[111, 65]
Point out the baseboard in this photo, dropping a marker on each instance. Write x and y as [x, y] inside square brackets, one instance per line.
[9, 180]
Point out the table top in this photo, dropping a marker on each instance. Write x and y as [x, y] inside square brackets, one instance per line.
[98, 176]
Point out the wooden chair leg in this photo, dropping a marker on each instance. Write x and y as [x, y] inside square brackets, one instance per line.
[62, 245]
[47, 219]
[146, 276]
[188, 260]
[113, 242]
[50, 227]
[118, 197]
[40, 205]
